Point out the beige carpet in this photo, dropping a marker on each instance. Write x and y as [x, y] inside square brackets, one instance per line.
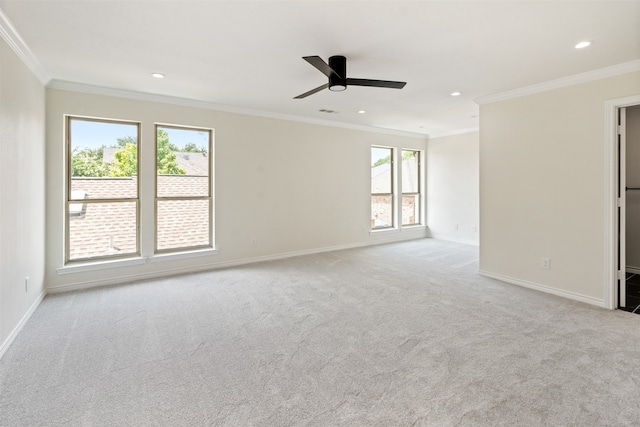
[395, 335]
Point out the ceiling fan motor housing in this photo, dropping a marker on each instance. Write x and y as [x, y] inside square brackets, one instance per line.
[339, 65]
[336, 71]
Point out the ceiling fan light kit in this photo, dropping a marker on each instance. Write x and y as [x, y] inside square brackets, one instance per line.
[336, 72]
[338, 79]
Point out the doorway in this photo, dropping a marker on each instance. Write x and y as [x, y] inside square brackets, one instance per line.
[628, 208]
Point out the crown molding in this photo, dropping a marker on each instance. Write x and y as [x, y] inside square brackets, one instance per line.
[454, 132]
[602, 73]
[10, 35]
[206, 105]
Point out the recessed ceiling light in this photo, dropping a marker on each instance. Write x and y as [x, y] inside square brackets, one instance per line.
[456, 93]
[361, 112]
[582, 45]
[157, 75]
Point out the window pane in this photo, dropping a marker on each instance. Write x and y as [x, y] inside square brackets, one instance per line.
[381, 178]
[410, 172]
[381, 211]
[104, 159]
[102, 229]
[410, 209]
[182, 224]
[103, 188]
[183, 186]
[182, 162]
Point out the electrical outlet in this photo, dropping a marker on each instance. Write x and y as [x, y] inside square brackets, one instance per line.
[26, 284]
[455, 226]
[475, 229]
[545, 264]
[253, 241]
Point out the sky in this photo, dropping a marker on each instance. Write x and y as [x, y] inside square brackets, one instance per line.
[90, 134]
[378, 153]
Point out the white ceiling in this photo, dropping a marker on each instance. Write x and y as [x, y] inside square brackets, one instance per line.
[247, 54]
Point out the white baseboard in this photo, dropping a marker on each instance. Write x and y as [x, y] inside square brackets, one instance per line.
[547, 289]
[16, 331]
[453, 239]
[391, 238]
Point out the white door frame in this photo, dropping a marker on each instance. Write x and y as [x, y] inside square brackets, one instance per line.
[611, 196]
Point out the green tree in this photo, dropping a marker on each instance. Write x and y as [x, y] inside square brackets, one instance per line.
[126, 161]
[406, 155]
[382, 161]
[167, 164]
[193, 148]
[122, 142]
[88, 162]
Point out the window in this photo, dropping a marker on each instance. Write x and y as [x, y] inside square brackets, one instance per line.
[104, 199]
[102, 189]
[381, 187]
[410, 187]
[183, 188]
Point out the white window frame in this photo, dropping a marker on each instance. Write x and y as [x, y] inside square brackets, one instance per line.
[391, 226]
[419, 216]
[69, 200]
[208, 197]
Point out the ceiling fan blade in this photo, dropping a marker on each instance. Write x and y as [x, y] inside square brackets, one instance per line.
[376, 83]
[322, 66]
[312, 91]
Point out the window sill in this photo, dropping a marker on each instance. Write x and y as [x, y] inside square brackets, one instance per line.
[384, 231]
[103, 265]
[100, 265]
[170, 256]
[405, 228]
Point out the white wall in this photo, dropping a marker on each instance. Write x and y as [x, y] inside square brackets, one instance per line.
[22, 198]
[294, 187]
[452, 187]
[542, 187]
[633, 180]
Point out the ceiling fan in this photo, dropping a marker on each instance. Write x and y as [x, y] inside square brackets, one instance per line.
[336, 71]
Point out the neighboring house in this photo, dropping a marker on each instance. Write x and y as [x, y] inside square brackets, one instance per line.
[193, 163]
[180, 223]
[110, 228]
[381, 212]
